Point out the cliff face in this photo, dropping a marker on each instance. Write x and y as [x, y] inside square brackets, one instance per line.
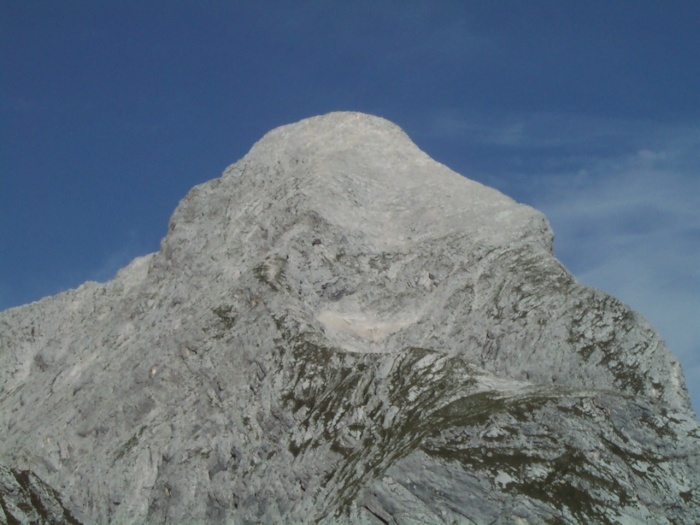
[341, 329]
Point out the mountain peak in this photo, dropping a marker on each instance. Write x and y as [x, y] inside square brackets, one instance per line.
[340, 329]
[361, 173]
[367, 172]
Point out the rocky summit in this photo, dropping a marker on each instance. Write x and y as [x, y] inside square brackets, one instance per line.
[341, 330]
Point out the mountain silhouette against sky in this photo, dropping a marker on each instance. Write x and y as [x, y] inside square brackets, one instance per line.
[341, 330]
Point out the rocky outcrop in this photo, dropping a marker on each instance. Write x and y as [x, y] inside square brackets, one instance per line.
[24, 498]
[340, 329]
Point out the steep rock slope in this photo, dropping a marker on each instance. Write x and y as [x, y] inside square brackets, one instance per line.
[341, 329]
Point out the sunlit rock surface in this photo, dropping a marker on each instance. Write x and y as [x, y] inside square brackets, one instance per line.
[340, 329]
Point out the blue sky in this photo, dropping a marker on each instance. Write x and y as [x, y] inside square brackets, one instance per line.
[590, 111]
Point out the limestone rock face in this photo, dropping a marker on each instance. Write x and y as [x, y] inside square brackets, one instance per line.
[24, 498]
[340, 329]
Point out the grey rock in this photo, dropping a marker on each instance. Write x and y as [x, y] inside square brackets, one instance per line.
[340, 329]
[24, 498]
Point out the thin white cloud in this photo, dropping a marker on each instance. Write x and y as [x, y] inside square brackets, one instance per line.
[102, 270]
[117, 259]
[586, 138]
